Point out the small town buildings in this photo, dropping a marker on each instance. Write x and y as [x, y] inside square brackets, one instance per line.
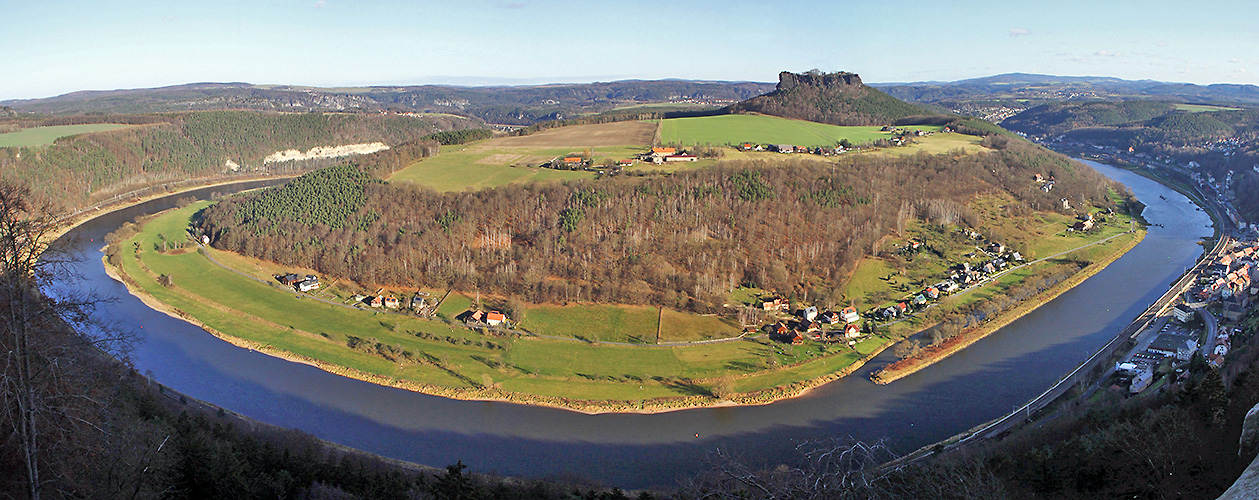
[1177, 346]
[783, 148]
[809, 313]
[1141, 381]
[832, 318]
[933, 292]
[625, 163]
[1182, 313]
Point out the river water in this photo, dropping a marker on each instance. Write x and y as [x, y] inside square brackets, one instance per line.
[981, 383]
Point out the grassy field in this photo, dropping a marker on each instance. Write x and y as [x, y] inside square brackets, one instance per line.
[763, 129]
[595, 323]
[505, 160]
[1199, 108]
[937, 144]
[43, 136]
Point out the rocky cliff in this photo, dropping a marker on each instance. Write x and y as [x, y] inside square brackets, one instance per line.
[835, 98]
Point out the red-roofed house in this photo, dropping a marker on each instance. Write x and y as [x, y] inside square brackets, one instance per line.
[495, 318]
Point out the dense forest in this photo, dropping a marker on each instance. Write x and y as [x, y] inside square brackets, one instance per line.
[682, 240]
[76, 170]
[835, 98]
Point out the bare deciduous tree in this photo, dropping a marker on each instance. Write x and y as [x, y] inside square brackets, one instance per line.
[48, 400]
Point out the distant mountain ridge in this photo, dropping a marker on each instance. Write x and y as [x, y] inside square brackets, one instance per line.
[509, 105]
[835, 98]
[1027, 85]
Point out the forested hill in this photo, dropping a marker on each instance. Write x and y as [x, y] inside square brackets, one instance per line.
[682, 240]
[835, 98]
[514, 105]
[78, 170]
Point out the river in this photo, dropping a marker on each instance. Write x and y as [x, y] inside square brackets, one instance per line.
[979, 384]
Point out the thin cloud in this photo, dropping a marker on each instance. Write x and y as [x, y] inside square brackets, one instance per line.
[1018, 32]
[1107, 53]
[1235, 60]
[169, 19]
[320, 4]
[513, 5]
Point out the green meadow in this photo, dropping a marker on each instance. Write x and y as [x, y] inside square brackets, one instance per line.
[764, 129]
[43, 136]
[473, 167]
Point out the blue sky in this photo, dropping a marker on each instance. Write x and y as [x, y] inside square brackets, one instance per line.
[52, 47]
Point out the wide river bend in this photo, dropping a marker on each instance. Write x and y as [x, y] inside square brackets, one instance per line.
[981, 383]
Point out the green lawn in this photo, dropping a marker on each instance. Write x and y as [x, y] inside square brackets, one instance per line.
[764, 129]
[684, 327]
[476, 168]
[43, 136]
[595, 323]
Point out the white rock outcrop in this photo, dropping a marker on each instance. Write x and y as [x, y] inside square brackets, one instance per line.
[325, 152]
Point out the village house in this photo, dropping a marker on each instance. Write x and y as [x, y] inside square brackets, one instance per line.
[850, 314]
[681, 157]
[852, 331]
[495, 318]
[809, 313]
[391, 302]
[625, 163]
[310, 283]
[417, 302]
[832, 318]
[933, 292]
[377, 301]
[776, 304]
[783, 148]
[290, 279]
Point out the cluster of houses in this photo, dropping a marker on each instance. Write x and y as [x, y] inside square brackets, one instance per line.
[479, 317]
[301, 283]
[418, 303]
[1231, 280]
[809, 322]
[791, 149]
[1084, 223]
[1046, 184]
[667, 155]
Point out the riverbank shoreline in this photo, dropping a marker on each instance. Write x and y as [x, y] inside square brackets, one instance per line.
[789, 390]
[929, 356]
[587, 407]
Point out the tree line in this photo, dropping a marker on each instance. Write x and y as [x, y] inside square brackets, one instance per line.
[78, 170]
[682, 240]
